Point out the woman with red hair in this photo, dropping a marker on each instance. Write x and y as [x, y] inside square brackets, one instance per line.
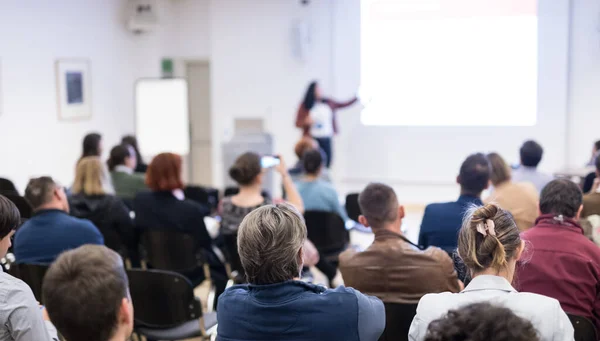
[164, 207]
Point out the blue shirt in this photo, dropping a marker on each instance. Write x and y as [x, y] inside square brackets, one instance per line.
[319, 195]
[294, 310]
[49, 232]
[442, 221]
[531, 174]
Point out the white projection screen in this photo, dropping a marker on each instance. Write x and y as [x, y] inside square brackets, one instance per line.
[449, 62]
[161, 116]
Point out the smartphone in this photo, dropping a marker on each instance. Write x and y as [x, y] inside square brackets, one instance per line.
[269, 161]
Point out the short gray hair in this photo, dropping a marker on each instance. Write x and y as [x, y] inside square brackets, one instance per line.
[269, 239]
[39, 191]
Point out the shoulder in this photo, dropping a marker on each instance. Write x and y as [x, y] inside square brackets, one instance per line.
[13, 290]
[438, 208]
[438, 255]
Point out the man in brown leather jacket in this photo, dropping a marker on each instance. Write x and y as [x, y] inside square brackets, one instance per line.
[393, 268]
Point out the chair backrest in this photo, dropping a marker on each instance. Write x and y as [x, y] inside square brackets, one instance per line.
[208, 197]
[171, 250]
[327, 231]
[584, 328]
[232, 255]
[352, 207]
[398, 318]
[32, 274]
[162, 299]
[23, 205]
[7, 186]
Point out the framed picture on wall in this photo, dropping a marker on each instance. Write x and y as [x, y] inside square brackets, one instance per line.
[74, 89]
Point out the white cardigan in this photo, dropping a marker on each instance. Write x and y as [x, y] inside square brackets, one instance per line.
[545, 313]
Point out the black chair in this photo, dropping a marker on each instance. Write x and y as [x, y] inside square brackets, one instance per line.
[327, 231]
[352, 207]
[584, 328]
[23, 205]
[398, 318]
[235, 270]
[32, 274]
[208, 197]
[7, 186]
[172, 250]
[588, 182]
[166, 308]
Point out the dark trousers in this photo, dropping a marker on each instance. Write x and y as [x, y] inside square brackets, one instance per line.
[326, 144]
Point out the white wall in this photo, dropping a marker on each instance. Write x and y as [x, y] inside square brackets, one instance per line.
[33, 35]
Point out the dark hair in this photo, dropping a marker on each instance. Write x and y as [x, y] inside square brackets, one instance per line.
[481, 322]
[39, 191]
[91, 145]
[597, 162]
[83, 291]
[117, 157]
[480, 252]
[10, 217]
[597, 145]
[310, 97]
[164, 172]
[132, 141]
[312, 161]
[245, 168]
[500, 172]
[474, 174]
[561, 197]
[379, 204]
[531, 153]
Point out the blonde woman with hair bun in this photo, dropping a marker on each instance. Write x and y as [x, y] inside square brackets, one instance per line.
[490, 246]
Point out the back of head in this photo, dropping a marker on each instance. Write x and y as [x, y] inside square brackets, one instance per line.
[488, 239]
[91, 178]
[91, 145]
[117, 157]
[561, 197]
[10, 218]
[164, 172]
[312, 160]
[500, 171]
[83, 291]
[531, 153]
[131, 140]
[245, 169]
[40, 191]
[474, 174]
[303, 145]
[597, 145]
[269, 241]
[481, 322]
[378, 204]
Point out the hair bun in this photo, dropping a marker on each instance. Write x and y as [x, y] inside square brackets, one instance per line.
[483, 213]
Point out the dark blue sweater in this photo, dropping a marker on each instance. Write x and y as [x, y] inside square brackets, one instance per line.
[298, 311]
[49, 232]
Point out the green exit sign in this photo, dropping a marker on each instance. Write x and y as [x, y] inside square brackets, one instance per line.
[167, 67]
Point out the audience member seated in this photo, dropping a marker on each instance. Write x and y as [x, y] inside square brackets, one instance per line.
[86, 292]
[442, 221]
[275, 305]
[317, 194]
[560, 261]
[92, 145]
[490, 246]
[531, 155]
[51, 230]
[131, 140]
[121, 164]
[393, 268]
[21, 318]
[520, 199]
[481, 322]
[92, 198]
[248, 174]
[591, 201]
[305, 144]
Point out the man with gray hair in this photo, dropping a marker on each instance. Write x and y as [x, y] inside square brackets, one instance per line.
[275, 304]
[51, 230]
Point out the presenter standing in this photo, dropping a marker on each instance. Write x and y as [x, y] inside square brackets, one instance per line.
[316, 118]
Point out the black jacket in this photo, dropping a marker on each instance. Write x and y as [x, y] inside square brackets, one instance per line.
[109, 214]
[162, 211]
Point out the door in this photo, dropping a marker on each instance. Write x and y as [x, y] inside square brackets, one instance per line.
[200, 165]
